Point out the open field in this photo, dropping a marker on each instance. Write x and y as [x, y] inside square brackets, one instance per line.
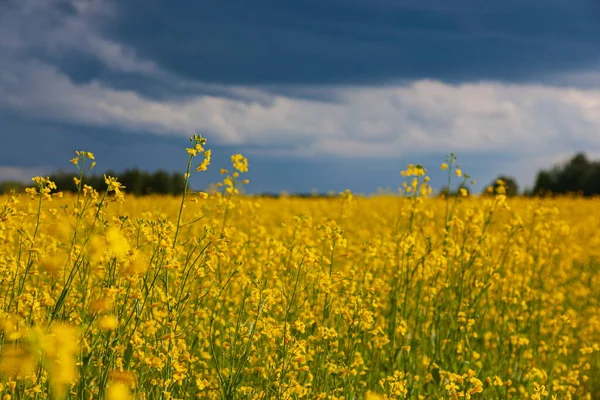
[240, 297]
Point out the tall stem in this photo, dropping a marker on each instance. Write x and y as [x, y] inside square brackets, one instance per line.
[185, 189]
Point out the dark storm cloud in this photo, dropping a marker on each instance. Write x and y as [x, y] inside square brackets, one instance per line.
[329, 41]
[325, 94]
[195, 47]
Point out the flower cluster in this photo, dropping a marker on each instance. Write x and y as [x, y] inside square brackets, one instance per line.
[241, 297]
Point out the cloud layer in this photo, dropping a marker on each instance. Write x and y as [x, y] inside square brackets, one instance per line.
[72, 62]
[424, 115]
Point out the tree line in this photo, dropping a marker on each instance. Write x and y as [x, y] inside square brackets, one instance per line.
[579, 175]
[136, 182]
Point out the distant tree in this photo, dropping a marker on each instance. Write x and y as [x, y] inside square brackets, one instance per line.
[64, 181]
[574, 174]
[446, 192]
[176, 183]
[578, 175]
[9, 186]
[545, 183]
[159, 183]
[592, 183]
[136, 181]
[510, 185]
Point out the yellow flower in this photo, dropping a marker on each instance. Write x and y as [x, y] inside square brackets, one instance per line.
[239, 162]
[117, 243]
[101, 304]
[117, 391]
[60, 348]
[206, 162]
[374, 396]
[108, 323]
[53, 263]
[452, 387]
[16, 361]
[113, 185]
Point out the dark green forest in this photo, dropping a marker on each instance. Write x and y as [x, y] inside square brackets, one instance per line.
[579, 176]
[136, 182]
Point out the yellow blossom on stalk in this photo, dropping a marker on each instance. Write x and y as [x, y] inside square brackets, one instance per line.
[101, 304]
[117, 243]
[477, 386]
[240, 162]
[119, 385]
[53, 262]
[113, 185]
[45, 186]
[117, 391]
[60, 348]
[452, 388]
[395, 385]
[373, 396]
[16, 361]
[136, 264]
[126, 377]
[31, 191]
[108, 323]
[206, 162]
[539, 391]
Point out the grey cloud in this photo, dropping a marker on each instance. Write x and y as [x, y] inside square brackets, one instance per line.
[21, 174]
[358, 80]
[362, 121]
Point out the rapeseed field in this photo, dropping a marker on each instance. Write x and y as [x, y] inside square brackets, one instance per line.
[225, 296]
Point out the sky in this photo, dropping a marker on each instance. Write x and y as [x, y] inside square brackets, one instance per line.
[318, 94]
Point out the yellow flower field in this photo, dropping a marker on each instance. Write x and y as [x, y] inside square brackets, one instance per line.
[225, 296]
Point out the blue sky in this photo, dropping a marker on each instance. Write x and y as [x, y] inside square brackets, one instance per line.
[319, 94]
